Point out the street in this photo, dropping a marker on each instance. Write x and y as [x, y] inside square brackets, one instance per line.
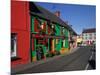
[78, 60]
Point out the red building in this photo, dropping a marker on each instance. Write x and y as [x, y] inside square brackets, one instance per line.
[20, 33]
[36, 33]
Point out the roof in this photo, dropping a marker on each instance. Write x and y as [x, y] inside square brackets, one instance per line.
[91, 30]
[45, 14]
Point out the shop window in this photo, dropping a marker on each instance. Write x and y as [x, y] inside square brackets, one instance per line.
[13, 45]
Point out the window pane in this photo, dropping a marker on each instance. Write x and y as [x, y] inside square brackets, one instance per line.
[13, 45]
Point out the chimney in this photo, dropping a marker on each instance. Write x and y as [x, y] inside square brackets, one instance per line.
[57, 13]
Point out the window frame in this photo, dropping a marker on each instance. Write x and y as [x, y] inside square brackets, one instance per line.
[40, 25]
[15, 45]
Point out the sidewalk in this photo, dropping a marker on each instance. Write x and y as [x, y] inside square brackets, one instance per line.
[74, 49]
[29, 65]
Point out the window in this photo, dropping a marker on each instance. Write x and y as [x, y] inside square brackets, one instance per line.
[84, 34]
[53, 31]
[13, 45]
[39, 25]
[90, 37]
[90, 34]
[85, 38]
[52, 26]
[62, 30]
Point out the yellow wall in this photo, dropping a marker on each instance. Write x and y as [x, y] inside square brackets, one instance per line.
[79, 40]
[53, 45]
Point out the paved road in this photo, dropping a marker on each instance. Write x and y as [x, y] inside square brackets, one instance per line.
[78, 60]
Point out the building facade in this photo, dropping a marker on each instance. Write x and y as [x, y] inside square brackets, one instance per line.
[20, 33]
[37, 34]
[79, 40]
[89, 36]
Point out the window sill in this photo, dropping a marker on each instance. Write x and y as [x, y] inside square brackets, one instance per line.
[15, 58]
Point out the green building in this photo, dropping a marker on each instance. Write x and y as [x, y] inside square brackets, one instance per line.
[49, 34]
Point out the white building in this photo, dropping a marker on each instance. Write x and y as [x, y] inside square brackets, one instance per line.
[89, 36]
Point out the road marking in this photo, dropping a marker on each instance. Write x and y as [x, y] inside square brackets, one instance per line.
[91, 56]
[88, 63]
[87, 66]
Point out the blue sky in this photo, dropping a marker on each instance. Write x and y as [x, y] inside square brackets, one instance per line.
[79, 16]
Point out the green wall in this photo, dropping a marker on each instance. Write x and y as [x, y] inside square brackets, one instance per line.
[32, 24]
[36, 45]
[58, 45]
[58, 33]
[66, 40]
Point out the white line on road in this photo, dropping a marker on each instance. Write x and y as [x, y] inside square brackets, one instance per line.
[88, 63]
[87, 66]
[91, 56]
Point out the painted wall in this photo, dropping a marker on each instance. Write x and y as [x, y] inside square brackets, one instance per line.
[20, 24]
[58, 41]
[89, 36]
[35, 29]
[79, 39]
[66, 40]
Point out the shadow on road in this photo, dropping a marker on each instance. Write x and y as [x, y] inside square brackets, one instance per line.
[92, 63]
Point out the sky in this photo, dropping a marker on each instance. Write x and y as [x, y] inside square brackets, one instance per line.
[79, 16]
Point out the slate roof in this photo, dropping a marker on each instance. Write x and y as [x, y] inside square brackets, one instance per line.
[45, 14]
[91, 30]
